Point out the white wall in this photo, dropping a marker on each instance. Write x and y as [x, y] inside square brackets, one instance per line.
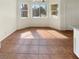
[76, 41]
[23, 22]
[55, 19]
[69, 13]
[7, 18]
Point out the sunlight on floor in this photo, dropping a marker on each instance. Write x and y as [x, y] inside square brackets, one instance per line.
[51, 34]
[45, 34]
[27, 35]
[57, 34]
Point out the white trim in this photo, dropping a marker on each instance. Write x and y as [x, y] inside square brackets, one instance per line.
[6, 37]
[76, 54]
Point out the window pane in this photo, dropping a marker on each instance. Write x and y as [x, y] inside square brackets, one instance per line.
[54, 9]
[39, 0]
[39, 10]
[24, 10]
[24, 13]
[43, 10]
[24, 7]
[35, 10]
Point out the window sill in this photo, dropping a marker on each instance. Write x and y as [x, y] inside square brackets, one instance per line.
[39, 17]
[23, 17]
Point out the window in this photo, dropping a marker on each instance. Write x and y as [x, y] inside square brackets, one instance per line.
[54, 9]
[24, 10]
[39, 9]
[40, 0]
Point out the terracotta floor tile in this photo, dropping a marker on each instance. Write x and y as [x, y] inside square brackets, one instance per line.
[44, 50]
[33, 49]
[44, 57]
[58, 50]
[32, 56]
[35, 42]
[43, 42]
[62, 57]
[19, 56]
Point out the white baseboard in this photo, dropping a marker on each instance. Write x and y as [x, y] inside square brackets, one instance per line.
[6, 36]
[76, 54]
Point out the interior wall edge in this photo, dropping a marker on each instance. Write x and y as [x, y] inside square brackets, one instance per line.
[4, 37]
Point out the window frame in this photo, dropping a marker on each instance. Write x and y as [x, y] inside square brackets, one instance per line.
[40, 4]
[54, 9]
[23, 10]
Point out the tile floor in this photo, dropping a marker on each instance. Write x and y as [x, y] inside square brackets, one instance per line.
[38, 43]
